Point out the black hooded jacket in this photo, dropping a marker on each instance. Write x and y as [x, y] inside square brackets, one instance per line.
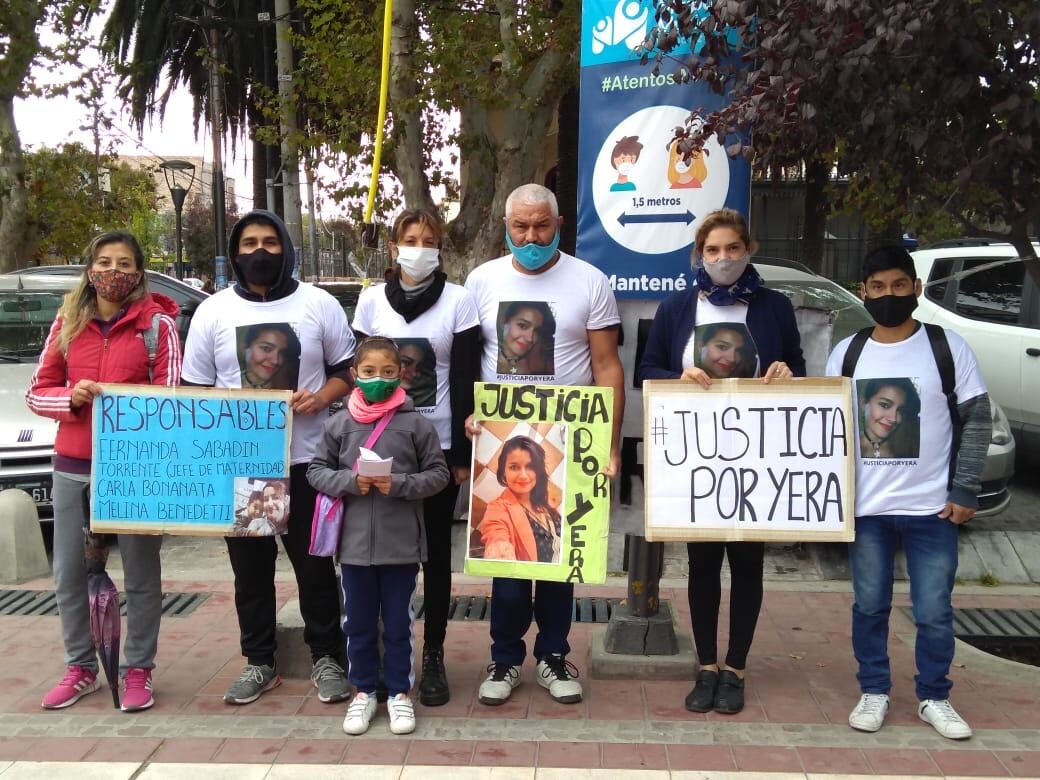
[286, 284]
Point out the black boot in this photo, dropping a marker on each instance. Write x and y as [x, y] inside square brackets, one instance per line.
[433, 687]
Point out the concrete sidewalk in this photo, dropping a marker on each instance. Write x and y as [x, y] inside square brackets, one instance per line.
[801, 686]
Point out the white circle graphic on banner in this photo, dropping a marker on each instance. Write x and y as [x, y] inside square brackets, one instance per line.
[647, 198]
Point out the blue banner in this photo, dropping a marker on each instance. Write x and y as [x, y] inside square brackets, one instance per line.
[639, 201]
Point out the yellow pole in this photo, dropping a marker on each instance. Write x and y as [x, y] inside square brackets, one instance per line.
[384, 87]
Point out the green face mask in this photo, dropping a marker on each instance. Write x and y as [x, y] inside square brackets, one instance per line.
[375, 388]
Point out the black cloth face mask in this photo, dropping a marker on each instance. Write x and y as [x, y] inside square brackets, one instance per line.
[890, 311]
[260, 267]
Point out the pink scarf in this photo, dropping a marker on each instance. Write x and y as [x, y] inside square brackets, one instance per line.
[365, 412]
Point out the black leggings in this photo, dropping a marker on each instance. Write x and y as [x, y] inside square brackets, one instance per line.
[745, 598]
[438, 513]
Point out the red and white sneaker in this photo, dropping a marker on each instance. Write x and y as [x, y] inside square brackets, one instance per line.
[137, 690]
[77, 683]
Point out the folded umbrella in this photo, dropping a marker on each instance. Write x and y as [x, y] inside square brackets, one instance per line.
[104, 601]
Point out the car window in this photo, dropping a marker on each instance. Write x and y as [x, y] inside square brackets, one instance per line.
[991, 294]
[939, 280]
[25, 320]
[849, 317]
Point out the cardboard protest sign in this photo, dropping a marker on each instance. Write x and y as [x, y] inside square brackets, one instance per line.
[539, 502]
[745, 461]
[190, 461]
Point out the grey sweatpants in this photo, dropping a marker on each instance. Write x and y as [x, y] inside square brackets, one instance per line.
[142, 583]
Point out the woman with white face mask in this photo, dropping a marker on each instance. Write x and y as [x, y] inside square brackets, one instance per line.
[727, 291]
[437, 329]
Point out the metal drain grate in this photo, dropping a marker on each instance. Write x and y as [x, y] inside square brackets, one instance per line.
[984, 623]
[586, 610]
[43, 602]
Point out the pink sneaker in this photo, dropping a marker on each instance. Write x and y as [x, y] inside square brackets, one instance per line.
[76, 684]
[137, 690]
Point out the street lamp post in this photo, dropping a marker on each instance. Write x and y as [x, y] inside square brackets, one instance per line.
[177, 172]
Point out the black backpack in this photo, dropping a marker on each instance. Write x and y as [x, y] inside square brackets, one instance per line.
[947, 375]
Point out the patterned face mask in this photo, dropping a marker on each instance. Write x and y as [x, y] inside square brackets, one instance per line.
[114, 285]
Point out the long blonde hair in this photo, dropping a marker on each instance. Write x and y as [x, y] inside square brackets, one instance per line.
[79, 306]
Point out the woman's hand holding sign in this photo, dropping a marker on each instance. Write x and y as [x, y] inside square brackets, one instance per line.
[698, 375]
[777, 370]
[84, 392]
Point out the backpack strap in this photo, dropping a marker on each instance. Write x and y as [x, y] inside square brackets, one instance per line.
[948, 376]
[848, 364]
[151, 343]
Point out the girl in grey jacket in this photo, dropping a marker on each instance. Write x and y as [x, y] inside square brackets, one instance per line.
[382, 540]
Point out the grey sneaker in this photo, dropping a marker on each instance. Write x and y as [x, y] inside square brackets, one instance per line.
[254, 680]
[330, 679]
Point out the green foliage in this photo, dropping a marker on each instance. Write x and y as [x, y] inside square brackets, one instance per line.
[67, 207]
[933, 101]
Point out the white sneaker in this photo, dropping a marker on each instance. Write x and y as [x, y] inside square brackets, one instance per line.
[501, 680]
[944, 718]
[869, 714]
[558, 675]
[402, 714]
[359, 714]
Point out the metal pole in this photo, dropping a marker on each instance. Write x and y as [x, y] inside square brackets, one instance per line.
[216, 104]
[290, 148]
[313, 226]
[177, 195]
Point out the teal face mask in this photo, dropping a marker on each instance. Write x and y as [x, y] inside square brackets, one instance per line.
[533, 256]
[375, 388]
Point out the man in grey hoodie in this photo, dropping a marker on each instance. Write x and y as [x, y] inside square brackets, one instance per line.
[240, 337]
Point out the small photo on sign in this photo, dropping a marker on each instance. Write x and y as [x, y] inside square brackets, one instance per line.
[519, 475]
[418, 370]
[269, 356]
[724, 350]
[526, 338]
[889, 418]
[261, 506]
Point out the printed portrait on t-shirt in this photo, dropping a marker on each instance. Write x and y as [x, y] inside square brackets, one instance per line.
[418, 370]
[889, 418]
[724, 350]
[261, 506]
[526, 338]
[269, 356]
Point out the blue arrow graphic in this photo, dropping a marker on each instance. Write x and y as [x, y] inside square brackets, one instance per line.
[625, 219]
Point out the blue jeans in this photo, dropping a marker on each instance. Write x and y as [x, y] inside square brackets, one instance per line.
[512, 611]
[930, 545]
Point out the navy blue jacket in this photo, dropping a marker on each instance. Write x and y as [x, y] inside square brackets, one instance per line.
[770, 318]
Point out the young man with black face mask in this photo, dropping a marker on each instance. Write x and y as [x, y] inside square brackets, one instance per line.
[923, 427]
[240, 337]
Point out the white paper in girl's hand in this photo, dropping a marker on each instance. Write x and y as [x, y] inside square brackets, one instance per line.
[369, 464]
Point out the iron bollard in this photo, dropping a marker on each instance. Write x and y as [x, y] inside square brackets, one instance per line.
[645, 564]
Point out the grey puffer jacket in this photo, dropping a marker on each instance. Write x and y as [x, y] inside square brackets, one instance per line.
[380, 529]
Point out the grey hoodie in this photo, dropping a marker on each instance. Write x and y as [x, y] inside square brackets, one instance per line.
[380, 529]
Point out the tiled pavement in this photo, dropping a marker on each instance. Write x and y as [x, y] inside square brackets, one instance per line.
[801, 685]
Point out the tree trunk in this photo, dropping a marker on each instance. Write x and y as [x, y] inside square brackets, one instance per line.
[409, 152]
[1024, 246]
[14, 198]
[814, 217]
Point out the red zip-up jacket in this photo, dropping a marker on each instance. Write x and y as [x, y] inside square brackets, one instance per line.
[121, 358]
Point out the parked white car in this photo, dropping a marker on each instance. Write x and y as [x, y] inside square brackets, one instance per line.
[984, 292]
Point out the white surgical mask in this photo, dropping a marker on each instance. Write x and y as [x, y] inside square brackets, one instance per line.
[625, 168]
[726, 271]
[418, 261]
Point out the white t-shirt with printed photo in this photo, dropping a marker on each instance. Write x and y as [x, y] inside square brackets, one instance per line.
[425, 345]
[281, 344]
[535, 325]
[903, 433]
[724, 352]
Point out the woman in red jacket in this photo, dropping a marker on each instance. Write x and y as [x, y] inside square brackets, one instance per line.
[103, 333]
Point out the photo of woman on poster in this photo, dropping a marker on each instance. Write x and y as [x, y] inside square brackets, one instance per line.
[269, 356]
[527, 338]
[522, 525]
[889, 421]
